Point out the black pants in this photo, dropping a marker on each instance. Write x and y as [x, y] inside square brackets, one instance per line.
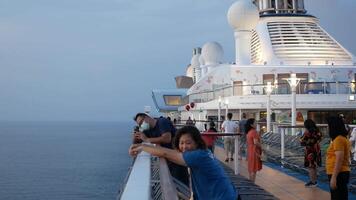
[341, 192]
[179, 172]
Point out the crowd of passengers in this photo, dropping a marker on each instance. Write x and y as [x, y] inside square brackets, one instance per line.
[192, 161]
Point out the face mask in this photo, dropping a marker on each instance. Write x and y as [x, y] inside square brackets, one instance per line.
[144, 126]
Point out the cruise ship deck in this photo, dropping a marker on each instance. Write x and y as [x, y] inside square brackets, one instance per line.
[280, 184]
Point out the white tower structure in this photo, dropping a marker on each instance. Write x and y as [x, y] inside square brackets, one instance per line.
[212, 54]
[243, 16]
[195, 64]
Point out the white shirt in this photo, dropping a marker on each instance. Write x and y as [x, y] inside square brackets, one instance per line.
[353, 140]
[229, 127]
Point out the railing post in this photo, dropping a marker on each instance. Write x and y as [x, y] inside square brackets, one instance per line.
[167, 186]
[236, 156]
[282, 143]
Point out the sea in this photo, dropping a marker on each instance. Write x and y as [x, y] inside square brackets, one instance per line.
[63, 160]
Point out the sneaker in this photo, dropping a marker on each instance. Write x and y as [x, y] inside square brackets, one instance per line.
[311, 184]
[226, 160]
[231, 159]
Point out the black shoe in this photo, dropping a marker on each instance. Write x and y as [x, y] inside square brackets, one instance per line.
[311, 184]
[231, 159]
[226, 160]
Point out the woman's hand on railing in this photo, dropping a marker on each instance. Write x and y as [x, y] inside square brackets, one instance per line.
[135, 149]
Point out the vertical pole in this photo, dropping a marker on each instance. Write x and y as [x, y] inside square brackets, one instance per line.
[268, 113]
[237, 149]
[227, 110]
[282, 142]
[294, 109]
[295, 7]
[219, 115]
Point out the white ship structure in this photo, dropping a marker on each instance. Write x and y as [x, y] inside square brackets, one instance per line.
[287, 69]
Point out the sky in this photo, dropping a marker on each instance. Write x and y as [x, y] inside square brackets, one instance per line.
[95, 60]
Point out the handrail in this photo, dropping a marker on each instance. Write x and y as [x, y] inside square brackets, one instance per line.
[168, 188]
[139, 182]
[220, 134]
[323, 87]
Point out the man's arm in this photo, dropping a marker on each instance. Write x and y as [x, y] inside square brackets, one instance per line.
[165, 138]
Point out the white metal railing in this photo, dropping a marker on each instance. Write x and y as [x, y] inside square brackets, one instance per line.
[138, 185]
[279, 89]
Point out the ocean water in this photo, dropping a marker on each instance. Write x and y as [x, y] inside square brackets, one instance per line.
[63, 160]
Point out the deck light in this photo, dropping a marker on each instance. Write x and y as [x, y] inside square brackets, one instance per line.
[293, 82]
[269, 91]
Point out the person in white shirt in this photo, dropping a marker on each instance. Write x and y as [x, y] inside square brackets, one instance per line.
[229, 126]
[353, 143]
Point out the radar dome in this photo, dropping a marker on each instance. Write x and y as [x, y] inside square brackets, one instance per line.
[212, 53]
[243, 15]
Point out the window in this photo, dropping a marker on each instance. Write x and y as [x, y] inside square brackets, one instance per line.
[173, 100]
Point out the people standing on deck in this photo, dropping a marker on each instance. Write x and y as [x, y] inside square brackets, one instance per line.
[353, 143]
[348, 128]
[312, 156]
[229, 126]
[254, 149]
[209, 139]
[338, 159]
[242, 124]
[189, 122]
[209, 181]
[160, 131]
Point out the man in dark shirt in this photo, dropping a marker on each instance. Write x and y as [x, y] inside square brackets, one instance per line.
[242, 124]
[160, 131]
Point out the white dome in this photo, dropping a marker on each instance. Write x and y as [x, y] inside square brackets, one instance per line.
[189, 71]
[243, 15]
[195, 60]
[212, 53]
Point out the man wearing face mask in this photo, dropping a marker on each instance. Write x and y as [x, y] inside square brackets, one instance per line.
[160, 131]
[157, 131]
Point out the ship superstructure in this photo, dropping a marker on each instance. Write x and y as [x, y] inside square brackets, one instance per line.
[276, 42]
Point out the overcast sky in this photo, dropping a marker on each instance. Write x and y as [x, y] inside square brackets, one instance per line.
[99, 59]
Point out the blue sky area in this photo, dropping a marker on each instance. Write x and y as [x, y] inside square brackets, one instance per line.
[95, 60]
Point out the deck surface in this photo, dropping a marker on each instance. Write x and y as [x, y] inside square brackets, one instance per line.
[278, 183]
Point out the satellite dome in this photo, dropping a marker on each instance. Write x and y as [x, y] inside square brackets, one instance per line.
[212, 53]
[243, 15]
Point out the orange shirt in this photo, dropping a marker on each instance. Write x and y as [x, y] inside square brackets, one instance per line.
[340, 143]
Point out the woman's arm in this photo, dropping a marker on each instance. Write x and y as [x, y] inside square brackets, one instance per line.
[256, 142]
[170, 154]
[338, 162]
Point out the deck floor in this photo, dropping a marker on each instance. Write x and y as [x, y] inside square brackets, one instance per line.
[278, 183]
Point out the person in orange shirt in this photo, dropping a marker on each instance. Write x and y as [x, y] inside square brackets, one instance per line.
[254, 149]
[338, 159]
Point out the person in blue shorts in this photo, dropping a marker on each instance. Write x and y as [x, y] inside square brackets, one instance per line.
[208, 178]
